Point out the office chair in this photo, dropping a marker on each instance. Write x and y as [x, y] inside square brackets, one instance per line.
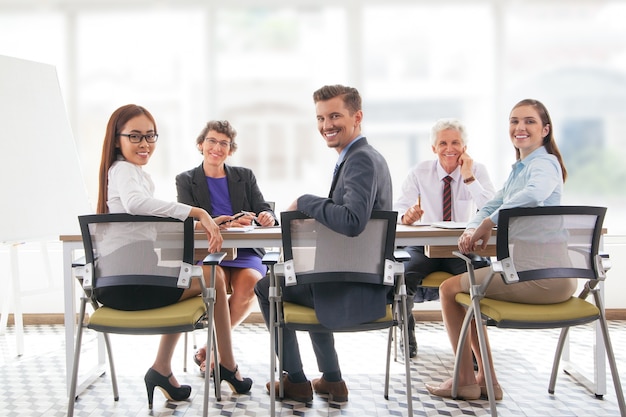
[123, 249]
[558, 242]
[312, 253]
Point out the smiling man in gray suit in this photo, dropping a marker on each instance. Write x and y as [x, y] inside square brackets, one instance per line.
[361, 183]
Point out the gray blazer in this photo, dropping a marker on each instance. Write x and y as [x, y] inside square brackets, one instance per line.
[244, 192]
[362, 184]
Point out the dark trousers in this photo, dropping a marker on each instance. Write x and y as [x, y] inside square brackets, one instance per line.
[323, 343]
[416, 269]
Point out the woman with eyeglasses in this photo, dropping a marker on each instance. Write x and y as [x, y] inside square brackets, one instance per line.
[231, 195]
[129, 143]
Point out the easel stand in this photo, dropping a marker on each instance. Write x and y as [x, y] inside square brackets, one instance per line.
[13, 295]
[15, 292]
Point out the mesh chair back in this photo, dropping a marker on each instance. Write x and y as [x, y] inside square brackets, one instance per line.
[319, 254]
[550, 242]
[136, 250]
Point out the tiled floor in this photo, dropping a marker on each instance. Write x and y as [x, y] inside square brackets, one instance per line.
[34, 384]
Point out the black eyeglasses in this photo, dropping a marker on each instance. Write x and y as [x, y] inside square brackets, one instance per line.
[137, 138]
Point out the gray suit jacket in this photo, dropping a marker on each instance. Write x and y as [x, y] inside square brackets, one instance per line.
[244, 192]
[362, 184]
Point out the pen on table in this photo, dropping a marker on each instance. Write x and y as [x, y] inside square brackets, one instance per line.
[238, 215]
[255, 219]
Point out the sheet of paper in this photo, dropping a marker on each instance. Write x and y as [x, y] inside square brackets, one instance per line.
[450, 225]
[238, 229]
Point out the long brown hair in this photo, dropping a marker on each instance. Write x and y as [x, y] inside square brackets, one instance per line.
[118, 119]
[548, 142]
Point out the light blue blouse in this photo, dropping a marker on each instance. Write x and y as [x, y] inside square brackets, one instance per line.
[536, 180]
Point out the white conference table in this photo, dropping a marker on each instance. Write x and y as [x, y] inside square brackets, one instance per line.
[437, 241]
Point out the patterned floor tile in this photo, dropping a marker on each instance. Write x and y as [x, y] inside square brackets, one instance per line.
[33, 385]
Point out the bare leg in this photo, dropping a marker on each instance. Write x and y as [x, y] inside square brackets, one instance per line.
[242, 299]
[163, 361]
[453, 314]
[480, 376]
[221, 316]
[240, 302]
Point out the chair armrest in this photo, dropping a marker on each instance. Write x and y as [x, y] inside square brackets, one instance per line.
[605, 261]
[271, 258]
[84, 274]
[474, 259]
[602, 265]
[214, 258]
[400, 255]
[79, 262]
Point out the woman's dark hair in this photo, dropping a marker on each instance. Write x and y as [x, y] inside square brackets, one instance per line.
[118, 119]
[548, 142]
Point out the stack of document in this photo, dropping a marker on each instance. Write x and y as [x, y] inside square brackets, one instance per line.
[240, 229]
[450, 225]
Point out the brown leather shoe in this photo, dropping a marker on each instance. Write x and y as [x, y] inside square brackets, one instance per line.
[297, 391]
[337, 391]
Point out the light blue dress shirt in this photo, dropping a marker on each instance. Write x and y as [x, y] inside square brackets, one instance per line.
[343, 153]
[534, 181]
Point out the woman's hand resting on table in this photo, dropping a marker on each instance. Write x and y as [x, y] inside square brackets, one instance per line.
[210, 227]
[469, 240]
[245, 218]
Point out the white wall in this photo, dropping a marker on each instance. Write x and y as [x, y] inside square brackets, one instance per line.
[43, 292]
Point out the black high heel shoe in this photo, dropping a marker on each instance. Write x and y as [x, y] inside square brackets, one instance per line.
[154, 379]
[240, 387]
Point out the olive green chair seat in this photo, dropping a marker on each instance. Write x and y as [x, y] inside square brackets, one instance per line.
[435, 279]
[572, 312]
[305, 317]
[175, 318]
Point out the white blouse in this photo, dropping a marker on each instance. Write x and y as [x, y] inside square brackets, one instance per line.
[131, 190]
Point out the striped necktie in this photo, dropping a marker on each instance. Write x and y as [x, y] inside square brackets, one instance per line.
[447, 199]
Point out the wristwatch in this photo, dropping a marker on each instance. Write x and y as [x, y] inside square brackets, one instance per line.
[469, 180]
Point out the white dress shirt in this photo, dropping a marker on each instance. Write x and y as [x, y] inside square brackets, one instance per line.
[131, 190]
[426, 181]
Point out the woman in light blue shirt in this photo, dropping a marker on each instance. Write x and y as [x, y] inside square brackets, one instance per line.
[536, 180]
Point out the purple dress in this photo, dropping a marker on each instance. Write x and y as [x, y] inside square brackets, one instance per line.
[221, 206]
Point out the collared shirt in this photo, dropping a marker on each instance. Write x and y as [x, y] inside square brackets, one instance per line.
[426, 181]
[131, 191]
[343, 153]
[534, 181]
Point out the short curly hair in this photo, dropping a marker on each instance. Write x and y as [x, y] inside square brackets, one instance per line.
[220, 126]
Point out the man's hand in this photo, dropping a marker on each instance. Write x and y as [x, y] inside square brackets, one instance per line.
[413, 214]
[467, 164]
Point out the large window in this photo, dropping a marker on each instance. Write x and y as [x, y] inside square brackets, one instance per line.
[413, 61]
